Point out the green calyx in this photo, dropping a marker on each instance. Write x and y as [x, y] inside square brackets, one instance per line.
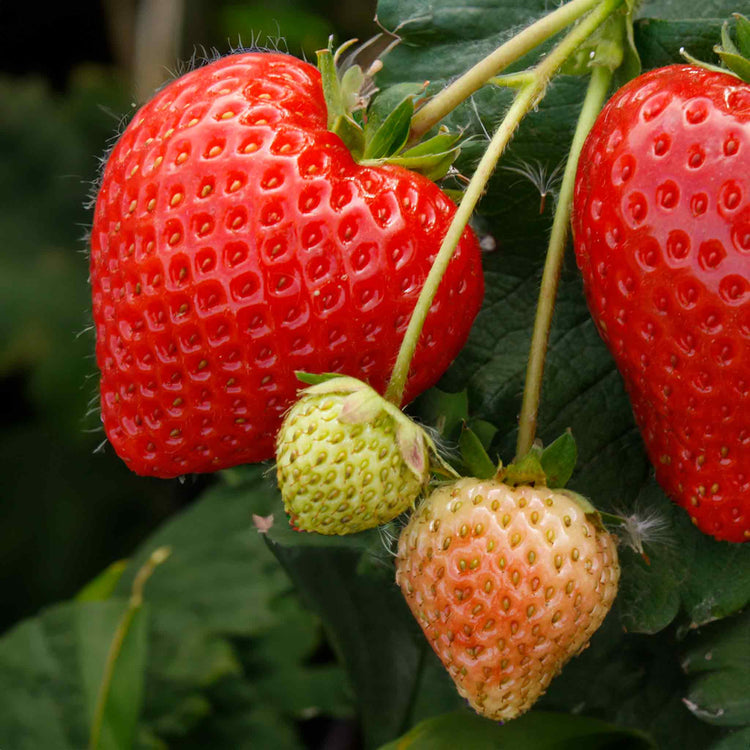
[546, 467]
[611, 46]
[376, 129]
[734, 53]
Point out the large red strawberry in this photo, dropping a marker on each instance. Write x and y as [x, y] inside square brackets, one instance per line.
[507, 583]
[235, 241]
[661, 222]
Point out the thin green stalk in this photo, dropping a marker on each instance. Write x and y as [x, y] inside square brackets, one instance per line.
[477, 76]
[526, 98]
[595, 97]
[115, 647]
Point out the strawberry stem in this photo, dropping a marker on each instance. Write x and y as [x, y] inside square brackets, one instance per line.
[528, 96]
[135, 603]
[477, 76]
[596, 95]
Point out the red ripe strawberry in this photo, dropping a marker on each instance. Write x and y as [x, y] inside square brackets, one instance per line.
[235, 241]
[508, 583]
[661, 222]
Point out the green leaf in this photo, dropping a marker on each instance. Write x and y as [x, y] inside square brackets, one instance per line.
[367, 624]
[485, 431]
[537, 730]
[739, 740]
[390, 135]
[719, 664]
[446, 412]
[735, 62]
[558, 460]
[478, 463]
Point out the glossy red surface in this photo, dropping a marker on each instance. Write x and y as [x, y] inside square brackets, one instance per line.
[235, 241]
[662, 235]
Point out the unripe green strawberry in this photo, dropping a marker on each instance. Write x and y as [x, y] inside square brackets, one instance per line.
[508, 583]
[347, 459]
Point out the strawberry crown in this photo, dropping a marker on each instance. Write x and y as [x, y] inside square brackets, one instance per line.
[733, 53]
[375, 126]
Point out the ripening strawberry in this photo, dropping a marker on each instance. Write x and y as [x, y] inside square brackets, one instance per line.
[507, 583]
[348, 460]
[661, 223]
[236, 241]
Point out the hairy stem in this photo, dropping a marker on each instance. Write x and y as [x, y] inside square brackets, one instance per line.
[527, 97]
[476, 77]
[595, 98]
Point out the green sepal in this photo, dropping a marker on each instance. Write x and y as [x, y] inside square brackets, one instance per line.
[442, 143]
[583, 502]
[432, 158]
[611, 46]
[526, 470]
[310, 378]
[386, 101]
[475, 458]
[558, 460]
[735, 56]
[391, 135]
[742, 30]
[339, 100]
[433, 167]
[351, 134]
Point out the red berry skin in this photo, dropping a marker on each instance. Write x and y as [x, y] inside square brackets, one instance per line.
[235, 240]
[661, 224]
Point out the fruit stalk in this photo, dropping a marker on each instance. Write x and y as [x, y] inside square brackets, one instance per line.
[596, 95]
[477, 76]
[528, 96]
[135, 603]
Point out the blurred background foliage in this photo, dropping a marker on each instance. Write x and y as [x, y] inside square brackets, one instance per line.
[70, 76]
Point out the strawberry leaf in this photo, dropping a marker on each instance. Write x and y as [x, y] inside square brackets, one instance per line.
[445, 412]
[718, 661]
[538, 730]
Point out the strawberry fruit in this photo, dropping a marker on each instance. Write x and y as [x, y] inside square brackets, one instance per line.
[508, 583]
[661, 223]
[348, 460]
[236, 241]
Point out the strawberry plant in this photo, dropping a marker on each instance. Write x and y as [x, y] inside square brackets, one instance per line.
[609, 622]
